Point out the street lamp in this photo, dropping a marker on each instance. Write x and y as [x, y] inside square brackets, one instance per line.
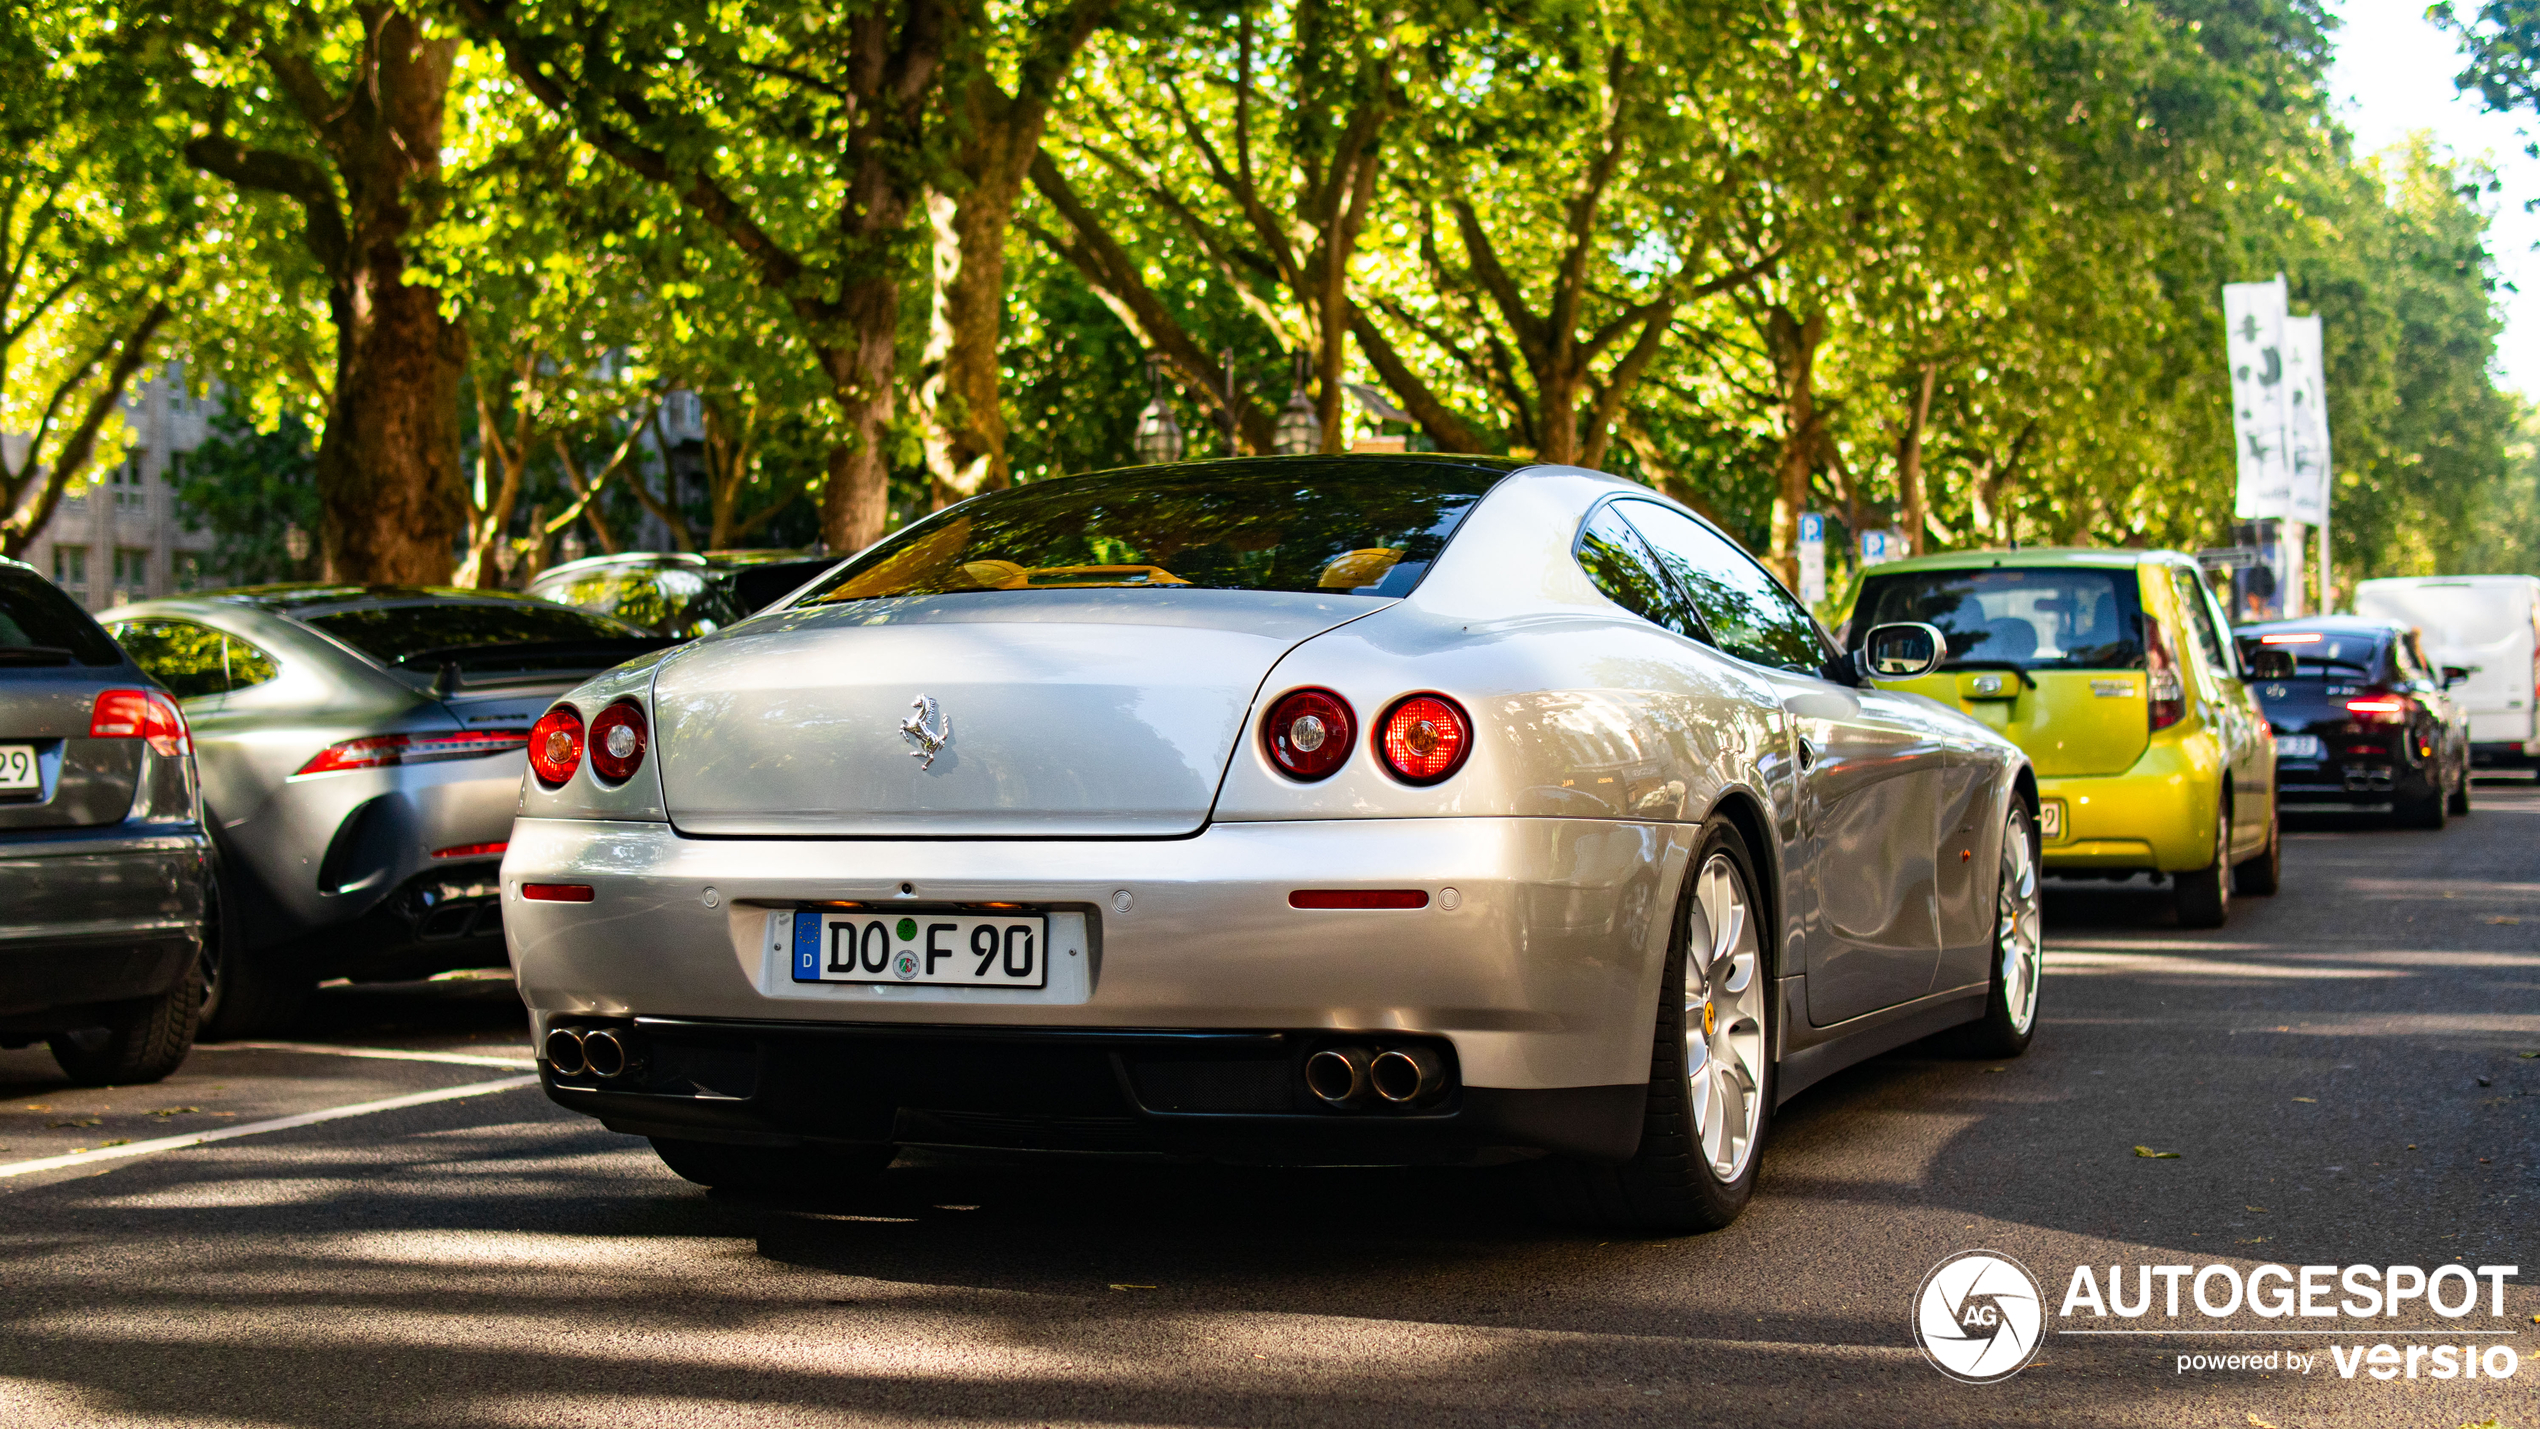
[1299, 430]
[1159, 436]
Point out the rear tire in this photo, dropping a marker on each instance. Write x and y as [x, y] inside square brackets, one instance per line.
[771, 1168]
[2202, 897]
[2422, 811]
[2459, 807]
[1694, 1170]
[143, 1041]
[2263, 875]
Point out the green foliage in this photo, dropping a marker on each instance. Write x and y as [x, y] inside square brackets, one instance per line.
[251, 489]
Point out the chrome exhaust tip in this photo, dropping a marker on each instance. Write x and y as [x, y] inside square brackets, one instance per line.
[1404, 1075]
[605, 1053]
[564, 1051]
[1338, 1075]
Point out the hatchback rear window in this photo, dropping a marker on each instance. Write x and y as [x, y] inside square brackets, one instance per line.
[679, 600]
[39, 625]
[2321, 652]
[2035, 617]
[394, 633]
[1321, 526]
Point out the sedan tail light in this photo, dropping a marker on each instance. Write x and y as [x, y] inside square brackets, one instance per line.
[555, 745]
[2168, 690]
[140, 714]
[380, 751]
[617, 742]
[2381, 709]
[1308, 733]
[1424, 738]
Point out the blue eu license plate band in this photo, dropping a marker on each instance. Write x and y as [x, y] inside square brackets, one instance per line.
[806, 947]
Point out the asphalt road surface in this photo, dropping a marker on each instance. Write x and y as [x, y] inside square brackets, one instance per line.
[2345, 1075]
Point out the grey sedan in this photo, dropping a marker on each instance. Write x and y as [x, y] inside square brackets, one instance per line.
[104, 869]
[360, 750]
[1312, 808]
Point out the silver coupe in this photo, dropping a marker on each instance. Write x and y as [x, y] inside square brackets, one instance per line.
[1307, 809]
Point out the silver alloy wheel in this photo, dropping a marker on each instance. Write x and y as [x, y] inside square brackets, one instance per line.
[1724, 1019]
[2018, 927]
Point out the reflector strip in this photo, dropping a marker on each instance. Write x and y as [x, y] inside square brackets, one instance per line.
[470, 850]
[1358, 898]
[556, 892]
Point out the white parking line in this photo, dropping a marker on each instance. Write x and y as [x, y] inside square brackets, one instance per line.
[283, 1123]
[385, 1054]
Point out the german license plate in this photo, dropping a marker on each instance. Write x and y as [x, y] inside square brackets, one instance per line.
[2050, 819]
[18, 773]
[936, 949]
[2297, 746]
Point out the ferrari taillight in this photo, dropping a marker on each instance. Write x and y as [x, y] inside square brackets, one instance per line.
[555, 745]
[617, 742]
[2168, 690]
[140, 714]
[1308, 733]
[1424, 738]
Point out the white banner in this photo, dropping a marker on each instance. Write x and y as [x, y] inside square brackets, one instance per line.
[2306, 418]
[2253, 316]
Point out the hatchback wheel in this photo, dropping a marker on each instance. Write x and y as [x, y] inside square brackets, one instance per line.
[1710, 1067]
[2203, 896]
[143, 1041]
[2264, 874]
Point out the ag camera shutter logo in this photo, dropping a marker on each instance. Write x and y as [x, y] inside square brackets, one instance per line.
[1979, 1317]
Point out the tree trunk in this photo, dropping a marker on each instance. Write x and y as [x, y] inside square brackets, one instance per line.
[26, 520]
[1793, 344]
[962, 391]
[856, 505]
[1909, 463]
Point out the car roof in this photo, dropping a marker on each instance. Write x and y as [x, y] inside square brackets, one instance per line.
[303, 600]
[2341, 624]
[735, 559]
[2105, 557]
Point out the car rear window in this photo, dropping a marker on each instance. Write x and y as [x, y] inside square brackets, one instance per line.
[679, 600]
[2321, 653]
[39, 625]
[2035, 617]
[392, 633]
[1323, 526]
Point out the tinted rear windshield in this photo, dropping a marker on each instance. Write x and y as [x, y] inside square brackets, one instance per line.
[2323, 653]
[680, 600]
[393, 633]
[1329, 527]
[2038, 617]
[39, 625]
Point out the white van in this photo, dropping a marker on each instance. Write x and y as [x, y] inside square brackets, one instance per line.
[2489, 625]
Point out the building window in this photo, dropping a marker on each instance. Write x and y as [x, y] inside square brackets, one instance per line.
[132, 574]
[70, 569]
[130, 494]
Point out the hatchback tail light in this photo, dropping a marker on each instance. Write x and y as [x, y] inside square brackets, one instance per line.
[555, 745]
[140, 714]
[380, 751]
[1308, 733]
[617, 742]
[2381, 709]
[2168, 690]
[1424, 738]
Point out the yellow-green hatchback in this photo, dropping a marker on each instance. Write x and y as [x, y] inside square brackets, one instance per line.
[2115, 671]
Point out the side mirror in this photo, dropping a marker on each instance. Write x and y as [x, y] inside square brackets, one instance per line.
[1900, 651]
[2455, 675]
[2268, 663]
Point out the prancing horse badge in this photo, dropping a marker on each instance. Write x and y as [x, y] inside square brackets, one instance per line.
[929, 727]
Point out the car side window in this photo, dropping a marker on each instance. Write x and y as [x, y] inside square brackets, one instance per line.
[184, 656]
[248, 666]
[1749, 613]
[1620, 564]
[2200, 617]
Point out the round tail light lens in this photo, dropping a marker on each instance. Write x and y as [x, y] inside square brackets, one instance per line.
[1308, 733]
[555, 746]
[1424, 739]
[617, 742]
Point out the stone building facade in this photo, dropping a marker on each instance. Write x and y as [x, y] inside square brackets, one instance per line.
[121, 538]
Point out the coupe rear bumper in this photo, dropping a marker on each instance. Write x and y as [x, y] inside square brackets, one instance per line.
[1535, 962]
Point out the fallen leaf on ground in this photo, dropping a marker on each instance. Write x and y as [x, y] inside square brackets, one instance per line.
[35, 1106]
[1997, 1069]
[2261, 1210]
[2148, 1154]
[1133, 1287]
[2254, 1419]
[2526, 1056]
[2504, 922]
[81, 1121]
[175, 1110]
[2312, 1100]
[123, 1141]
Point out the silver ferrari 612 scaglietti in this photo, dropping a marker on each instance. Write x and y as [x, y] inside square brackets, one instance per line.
[1317, 809]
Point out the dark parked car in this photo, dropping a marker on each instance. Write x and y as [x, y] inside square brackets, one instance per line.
[2363, 722]
[361, 759]
[678, 593]
[104, 867]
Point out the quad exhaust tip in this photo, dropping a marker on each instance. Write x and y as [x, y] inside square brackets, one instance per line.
[603, 1052]
[1338, 1075]
[564, 1051]
[1405, 1075]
